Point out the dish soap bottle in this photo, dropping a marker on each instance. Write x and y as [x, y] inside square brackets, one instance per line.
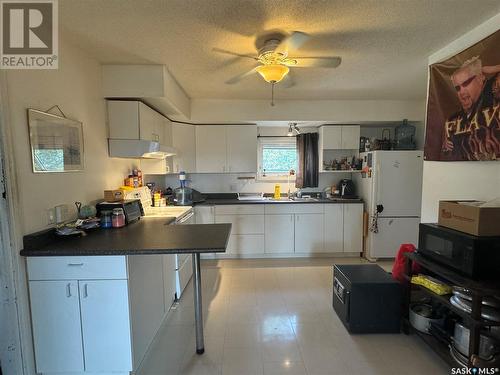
[277, 191]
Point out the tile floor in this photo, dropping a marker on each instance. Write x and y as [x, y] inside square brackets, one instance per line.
[270, 317]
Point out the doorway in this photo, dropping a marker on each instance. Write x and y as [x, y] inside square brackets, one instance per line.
[10, 341]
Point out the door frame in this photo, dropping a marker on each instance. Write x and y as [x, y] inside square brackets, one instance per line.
[16, 350]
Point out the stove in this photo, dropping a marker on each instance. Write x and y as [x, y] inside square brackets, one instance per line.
[183, 215]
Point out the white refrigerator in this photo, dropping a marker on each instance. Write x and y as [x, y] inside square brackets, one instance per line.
[394, 183]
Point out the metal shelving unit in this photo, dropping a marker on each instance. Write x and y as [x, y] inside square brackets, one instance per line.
[473, 320]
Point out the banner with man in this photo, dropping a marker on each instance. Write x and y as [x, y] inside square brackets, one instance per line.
[463, 108]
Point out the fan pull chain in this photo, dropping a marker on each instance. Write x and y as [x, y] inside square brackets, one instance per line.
[272, 94]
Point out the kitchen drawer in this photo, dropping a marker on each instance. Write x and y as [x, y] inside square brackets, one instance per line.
[243, 224]
[294, 208]
[240, 209]
[77, 267]
[246, 244]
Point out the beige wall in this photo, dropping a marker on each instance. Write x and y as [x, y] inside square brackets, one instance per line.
[76, 88]
[459, 180]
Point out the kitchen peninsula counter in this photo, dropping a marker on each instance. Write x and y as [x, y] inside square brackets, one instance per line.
[146, 236]
[97, 301]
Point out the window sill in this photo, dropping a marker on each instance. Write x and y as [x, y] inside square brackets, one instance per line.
[271, 178]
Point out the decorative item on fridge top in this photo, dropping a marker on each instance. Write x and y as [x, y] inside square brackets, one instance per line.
[404, 138]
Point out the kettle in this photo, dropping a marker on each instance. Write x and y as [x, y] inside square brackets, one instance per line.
[347, 189]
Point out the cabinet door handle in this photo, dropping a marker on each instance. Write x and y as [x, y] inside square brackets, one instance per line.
[75, 264]
[85, 291]
[68, 290]
[297, 217]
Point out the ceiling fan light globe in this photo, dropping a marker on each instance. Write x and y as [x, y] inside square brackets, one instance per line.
[273, 73]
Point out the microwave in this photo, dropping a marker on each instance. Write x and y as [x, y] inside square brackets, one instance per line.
[472, 256]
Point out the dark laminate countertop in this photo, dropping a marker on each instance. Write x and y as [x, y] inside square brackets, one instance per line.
[226, 201]
[146, 236]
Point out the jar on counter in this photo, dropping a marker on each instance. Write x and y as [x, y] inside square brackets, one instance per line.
[106, 221]
[118, 219]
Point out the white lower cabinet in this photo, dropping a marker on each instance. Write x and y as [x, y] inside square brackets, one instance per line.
[309, 233]
[89, 321]
[334, 228]
[105, 325]
[243, 244]
[57, 331]
[279, 234]
[81, 326]
[353, 228]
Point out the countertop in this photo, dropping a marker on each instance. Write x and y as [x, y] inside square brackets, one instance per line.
[149, 235]
[226, 201]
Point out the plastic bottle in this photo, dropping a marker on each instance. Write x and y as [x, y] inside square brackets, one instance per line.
[277, 191]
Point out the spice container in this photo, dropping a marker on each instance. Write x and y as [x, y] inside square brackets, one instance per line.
[118, 219]
[106, 221]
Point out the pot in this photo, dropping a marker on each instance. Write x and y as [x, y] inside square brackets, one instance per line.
[422, 315]
[488, 346]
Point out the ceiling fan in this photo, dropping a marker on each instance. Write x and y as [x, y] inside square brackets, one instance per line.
[273, 61]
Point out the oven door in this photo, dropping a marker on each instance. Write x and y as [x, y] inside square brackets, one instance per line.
[187, 218]
[446, 248]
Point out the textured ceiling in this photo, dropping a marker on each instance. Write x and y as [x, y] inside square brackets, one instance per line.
[384, 44]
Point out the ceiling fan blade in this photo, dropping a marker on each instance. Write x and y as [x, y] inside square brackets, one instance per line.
[317, 62]
[239, 77]
[234, 53]
[288, 81]
[292, 42]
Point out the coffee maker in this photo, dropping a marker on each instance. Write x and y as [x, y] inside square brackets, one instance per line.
[346, 189]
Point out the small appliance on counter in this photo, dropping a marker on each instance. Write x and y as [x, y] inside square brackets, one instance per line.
[347, 189]
[366, 299]
[185, 196]
[473, 256]
[132, 208]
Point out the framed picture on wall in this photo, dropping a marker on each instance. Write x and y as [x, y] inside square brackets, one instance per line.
[56, 142]
[463, 108]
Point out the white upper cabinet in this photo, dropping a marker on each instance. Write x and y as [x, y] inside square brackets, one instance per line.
[226, 149]
[330, 137]
[339, 137]
[241, 144]
[350, 137]
[183, 139]
[210, 149]
[135, 120]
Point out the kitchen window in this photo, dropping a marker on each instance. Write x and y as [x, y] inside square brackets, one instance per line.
[276, 157]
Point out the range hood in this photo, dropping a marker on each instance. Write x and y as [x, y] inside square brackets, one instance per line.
[138, 148]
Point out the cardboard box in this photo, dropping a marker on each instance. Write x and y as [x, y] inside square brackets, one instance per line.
[462, 216]
[113, 195]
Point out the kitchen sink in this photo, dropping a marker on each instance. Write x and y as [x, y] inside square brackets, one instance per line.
[304, 199]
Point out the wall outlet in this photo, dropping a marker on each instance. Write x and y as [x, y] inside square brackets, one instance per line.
[61, 213]
[50, 216]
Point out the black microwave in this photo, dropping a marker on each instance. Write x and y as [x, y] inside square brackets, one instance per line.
[472, 256]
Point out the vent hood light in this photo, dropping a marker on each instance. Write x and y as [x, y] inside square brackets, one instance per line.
[138, 148]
